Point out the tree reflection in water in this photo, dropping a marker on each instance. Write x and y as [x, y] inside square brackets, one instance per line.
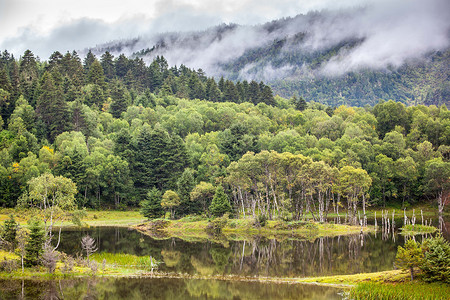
[157, 288]
[291, 257]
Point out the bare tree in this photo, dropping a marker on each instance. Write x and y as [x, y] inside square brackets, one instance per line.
[49, 258]
[88, 245]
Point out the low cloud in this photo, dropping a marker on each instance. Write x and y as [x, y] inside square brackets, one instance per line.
[384, 33]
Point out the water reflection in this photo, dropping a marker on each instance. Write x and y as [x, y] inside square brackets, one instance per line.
[157, 288]
[257, 257]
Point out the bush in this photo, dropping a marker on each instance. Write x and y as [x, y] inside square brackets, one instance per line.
[436, 261]
[9, 265]
[216, 225]
[410, 256]
[260, 221]
[49, 259]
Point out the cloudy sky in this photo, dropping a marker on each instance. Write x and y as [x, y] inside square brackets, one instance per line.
[48, 25]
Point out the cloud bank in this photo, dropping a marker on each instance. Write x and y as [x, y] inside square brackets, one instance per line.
[385, 33]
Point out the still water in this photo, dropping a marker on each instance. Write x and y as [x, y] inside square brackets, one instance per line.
[160, 288]
[258, 257]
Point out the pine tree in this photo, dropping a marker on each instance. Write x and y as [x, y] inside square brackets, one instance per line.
[151, 207]
[9, 234]
[107, 63]
[120, 99]
[220, 203]
[51, 107]
[299, 102]
[185, 184]
[88, 60]
[34, 247]
[96, 75]
[267, 96]
[410, 256]
[436, 261]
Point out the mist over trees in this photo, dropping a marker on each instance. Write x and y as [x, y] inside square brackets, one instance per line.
[125, 132]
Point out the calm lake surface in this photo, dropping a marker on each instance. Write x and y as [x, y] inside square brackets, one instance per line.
[258, 257]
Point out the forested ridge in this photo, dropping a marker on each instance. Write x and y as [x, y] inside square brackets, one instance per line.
[303, 55]
[126, 132]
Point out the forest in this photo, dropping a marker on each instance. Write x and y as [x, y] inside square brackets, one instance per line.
[172, 139]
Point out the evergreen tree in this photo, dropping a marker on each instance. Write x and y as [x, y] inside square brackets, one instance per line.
[88, 60]
[107, 64]
[121, 99]
[122, 66]
[230, 93]
[436, 261]
[410, 256]
[185, 184]
[299, 102]
[34, 247]
[96, 75]
[267, 96]
[220, 203]
[253, 92]
[51, 107]
[9, 233]
[151, 207]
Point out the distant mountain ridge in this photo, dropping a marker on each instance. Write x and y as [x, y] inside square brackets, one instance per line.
[322, 56]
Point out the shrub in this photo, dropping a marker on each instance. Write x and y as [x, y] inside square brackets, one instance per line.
[436, 261]
[410, 256]
[216, 225]
[49, 259]
[9, 265]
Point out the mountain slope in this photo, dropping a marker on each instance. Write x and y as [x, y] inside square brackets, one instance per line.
[351, 57]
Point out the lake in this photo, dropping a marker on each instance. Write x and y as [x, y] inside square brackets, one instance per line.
[246, 259]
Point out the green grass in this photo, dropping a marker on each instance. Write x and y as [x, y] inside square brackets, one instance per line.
[195, 229]
[93, 218]
[381, 277]
[417, 229]
[400, 291]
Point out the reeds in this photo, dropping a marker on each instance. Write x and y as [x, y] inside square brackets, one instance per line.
[400, 291]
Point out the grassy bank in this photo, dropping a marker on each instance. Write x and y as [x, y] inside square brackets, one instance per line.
[99, 264]
[400, 291]
[196, 228]
[93, 218]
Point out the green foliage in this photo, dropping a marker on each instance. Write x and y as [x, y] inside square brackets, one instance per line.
[399, 291]
[138, 126]
[220, 203]
[436, 260]
[34, 247]
[9, 233]
[410, 256]
[216, 225]
[151, 207]
[170, 201]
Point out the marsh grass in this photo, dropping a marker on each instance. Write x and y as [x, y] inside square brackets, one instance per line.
[400, 291]
[417, 229]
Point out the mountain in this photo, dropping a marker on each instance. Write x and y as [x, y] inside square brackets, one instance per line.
[354, 57]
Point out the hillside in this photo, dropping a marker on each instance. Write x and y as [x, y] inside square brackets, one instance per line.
[333, 57]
